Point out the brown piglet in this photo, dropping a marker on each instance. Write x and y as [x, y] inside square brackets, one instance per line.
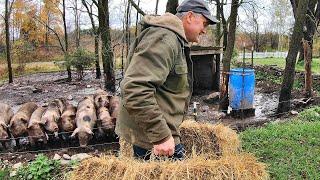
[67, 121]
[50, 119]
[6, 114]
[114, 107]
[36, 132]
[101, 99]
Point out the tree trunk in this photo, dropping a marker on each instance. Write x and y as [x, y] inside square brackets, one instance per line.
[77, 25]
[137, 20]
[289, 72]
[96, 38]
[224, 100]
[7, 18]
[96, 53]
[171, 6]
[218, 29]
[301, 53]
[107, 53]
[307, 65]
[128, 27]
[66, 38]
[156, 10]
[311, 24]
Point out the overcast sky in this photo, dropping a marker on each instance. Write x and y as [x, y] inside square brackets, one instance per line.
[117, 9]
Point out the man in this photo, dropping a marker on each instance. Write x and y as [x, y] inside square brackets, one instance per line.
[156, 88]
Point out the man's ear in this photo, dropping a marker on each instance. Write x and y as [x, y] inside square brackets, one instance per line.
[189, 16]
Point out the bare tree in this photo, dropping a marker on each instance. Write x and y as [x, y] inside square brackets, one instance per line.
[312, 22]
[251, 23]
[137, 8]
[8, 9]
[128, 22]
[156, 10]
[89, 8]
[224, 100]
[66, 38]
[172, 6]
[107, 53]
[289, 72]
[77, 23]
[137, 19]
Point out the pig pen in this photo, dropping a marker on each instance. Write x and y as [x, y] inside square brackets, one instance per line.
[43, 87]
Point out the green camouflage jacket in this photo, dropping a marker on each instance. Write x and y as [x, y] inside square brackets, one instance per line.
[155, 91]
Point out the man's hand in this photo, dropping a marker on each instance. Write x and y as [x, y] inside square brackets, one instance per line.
[165, 148]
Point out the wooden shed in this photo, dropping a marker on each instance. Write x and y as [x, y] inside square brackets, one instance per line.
[206, 68]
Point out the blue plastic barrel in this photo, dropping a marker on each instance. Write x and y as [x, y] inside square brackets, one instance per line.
[241, 88]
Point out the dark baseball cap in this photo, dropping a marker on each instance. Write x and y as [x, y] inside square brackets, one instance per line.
[197, 6]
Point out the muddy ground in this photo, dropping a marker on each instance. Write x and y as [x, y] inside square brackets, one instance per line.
[44, 87]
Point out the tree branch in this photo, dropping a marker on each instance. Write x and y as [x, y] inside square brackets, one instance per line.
[73, 8]
[55, 33]
[137, 8]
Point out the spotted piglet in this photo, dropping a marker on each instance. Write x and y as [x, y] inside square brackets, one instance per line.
[85, 119]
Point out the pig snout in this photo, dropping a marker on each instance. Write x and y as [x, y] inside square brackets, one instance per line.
[3, 135]
[67, 126]
[84, 138]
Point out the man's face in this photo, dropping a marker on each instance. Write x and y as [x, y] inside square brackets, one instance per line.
[194, 25]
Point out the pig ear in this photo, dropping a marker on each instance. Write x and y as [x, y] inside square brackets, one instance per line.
[29, 125]
[88, 131]
[4, 125]
[43, 121]
[114, 120]
[75, 132]
[10, 124]
[24, 120]
[73, 117]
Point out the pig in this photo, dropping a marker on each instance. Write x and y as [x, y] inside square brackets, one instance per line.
[101, 99]
[114, 107]
[105, 125]
[36, 132]
[61, 103]
[86, 102]
[50, 119]
[6, 114]
[19, 122]
[85, 119]
[67, 121]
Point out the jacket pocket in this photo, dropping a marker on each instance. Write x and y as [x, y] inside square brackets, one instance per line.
[181, 69]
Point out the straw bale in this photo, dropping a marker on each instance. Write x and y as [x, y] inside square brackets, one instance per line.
[208, 138]
[197, 138]
[126, 149]
[238, 166]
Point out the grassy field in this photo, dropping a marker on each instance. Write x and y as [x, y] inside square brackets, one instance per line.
[291, 149]
[29, 68]
[281, 62]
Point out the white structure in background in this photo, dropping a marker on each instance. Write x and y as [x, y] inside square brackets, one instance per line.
[258, 55]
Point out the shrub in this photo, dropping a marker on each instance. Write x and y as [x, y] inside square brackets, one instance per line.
[41, 168]
[312, 114]
[80, 60]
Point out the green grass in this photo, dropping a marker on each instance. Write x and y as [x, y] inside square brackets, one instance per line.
[30, 68]
[291, 150]
[281, 62]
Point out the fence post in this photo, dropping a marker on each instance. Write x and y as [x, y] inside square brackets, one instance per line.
[244, 55]
[252, 57]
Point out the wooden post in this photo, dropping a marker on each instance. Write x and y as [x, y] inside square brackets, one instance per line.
[252, 49]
